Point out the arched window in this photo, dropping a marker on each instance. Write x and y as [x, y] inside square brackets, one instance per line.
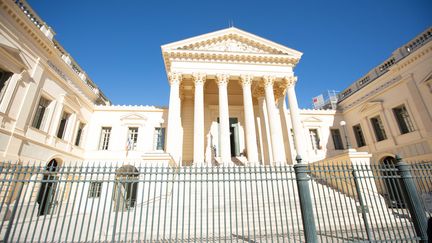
[126, 187]
[47, 189]
[391, 181]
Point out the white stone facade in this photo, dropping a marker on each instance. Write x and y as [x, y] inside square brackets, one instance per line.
[227, 104]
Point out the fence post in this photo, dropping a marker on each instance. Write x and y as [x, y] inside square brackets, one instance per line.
[12, 217]
[412, 198]
[362, 204]
[302, 179]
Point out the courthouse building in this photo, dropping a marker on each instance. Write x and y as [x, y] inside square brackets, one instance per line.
[232, 102]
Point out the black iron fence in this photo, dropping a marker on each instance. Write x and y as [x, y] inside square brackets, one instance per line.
[333, 202]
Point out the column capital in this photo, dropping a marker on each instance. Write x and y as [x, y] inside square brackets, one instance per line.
[290, 81]
[246, 80]
[279, 92]
[222, 79]
[199, 78]
[174, 78]
[258, 92]
[268, 80]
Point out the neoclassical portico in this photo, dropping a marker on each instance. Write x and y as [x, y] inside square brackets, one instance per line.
[224, 89]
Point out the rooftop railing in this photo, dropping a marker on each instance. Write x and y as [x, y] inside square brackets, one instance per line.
[381, 69]
[40, 24]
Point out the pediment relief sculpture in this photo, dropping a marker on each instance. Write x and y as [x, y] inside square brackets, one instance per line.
[228, 45]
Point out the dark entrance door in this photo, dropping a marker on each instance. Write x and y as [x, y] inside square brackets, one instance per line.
[232, 141]
[392, 184]
[47, 190]
[234, 136]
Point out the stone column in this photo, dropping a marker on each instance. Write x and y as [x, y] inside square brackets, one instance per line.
[225, 143]
[285, 130]
[275, 128]
[267, 155]
[295, 117]
[173, 133]
[198, 149]
[251, 144]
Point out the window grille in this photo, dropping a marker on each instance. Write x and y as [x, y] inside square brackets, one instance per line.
[79, 134]
[378, 127]
[315, 141]
[4, 81]
[159, 138]
[403, 119]
[95, 189]
[104, 139]
[63, 123]
[358, 133]
[337, 139]
[40, 112]
[132, 138]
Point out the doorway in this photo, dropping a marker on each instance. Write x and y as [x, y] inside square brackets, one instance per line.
[234, 136]
[391, 183]
[47, 190]
[126, 187]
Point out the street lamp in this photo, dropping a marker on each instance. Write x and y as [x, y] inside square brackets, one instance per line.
[343, 125]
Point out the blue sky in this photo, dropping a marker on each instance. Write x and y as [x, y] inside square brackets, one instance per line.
[118, 42]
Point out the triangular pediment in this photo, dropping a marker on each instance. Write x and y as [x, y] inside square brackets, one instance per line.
[133, 117]
[231, 40]
[312, 119]
[370, 105]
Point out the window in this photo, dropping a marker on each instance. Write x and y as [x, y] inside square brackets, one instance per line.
[40, 112]
[104, 139]
[378, 127]
[95, 189]
[79, 134]
[403, 119]
[337, 139]
[159, 138]
[62, 127]
[292, 136]
[132, 138]
[4, 81]
[315, 141]
[358, 133]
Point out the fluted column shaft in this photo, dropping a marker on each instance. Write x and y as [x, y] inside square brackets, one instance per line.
[251, 142]
[174, 119]
[295, 117]
[266, 148]
[199, 120]
[225, 146]
[285, 130]
[275, 128]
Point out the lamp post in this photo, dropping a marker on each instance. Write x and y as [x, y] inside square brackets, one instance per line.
[343, 125]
